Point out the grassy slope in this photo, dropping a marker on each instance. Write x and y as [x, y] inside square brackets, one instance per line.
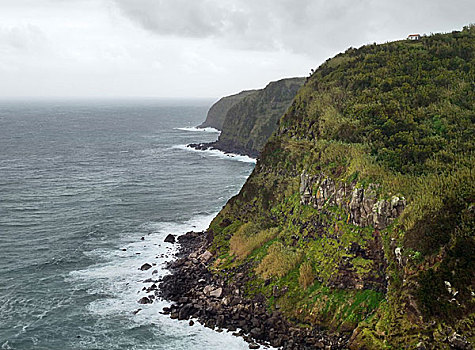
[400, 115]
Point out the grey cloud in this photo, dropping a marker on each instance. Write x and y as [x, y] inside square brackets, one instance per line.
[265, 24]
[301, 26]
[177, 17]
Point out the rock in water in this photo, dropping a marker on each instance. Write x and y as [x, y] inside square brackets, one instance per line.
[145, 300]
[145, 267]
[170, 238]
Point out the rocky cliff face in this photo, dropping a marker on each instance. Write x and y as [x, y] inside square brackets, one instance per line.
[362, 204]
[217, 113]
[359, 215]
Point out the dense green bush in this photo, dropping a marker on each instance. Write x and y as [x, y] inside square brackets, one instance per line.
[410, 101]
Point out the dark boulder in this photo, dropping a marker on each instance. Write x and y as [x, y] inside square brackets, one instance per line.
[145, 300]
[170, 238]
[185, 312]
[145, 267]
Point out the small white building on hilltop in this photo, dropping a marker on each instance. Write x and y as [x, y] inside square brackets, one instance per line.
[414, 37]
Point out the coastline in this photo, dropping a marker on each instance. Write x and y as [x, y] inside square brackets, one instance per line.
[226, 147]
[218, 303]
[197, 295]
[215, 152]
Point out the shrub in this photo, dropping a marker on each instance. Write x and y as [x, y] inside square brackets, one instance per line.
[306, 276]
[278, 261]
[248, 237]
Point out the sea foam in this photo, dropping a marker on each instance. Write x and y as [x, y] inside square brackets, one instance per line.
[196, 129]
[118, 277]
[219, 154]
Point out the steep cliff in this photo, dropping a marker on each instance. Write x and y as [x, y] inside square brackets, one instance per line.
[250, 121]
[360, 213]
[217, 112]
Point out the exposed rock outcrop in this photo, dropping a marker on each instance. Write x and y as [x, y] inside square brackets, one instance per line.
[363, 204]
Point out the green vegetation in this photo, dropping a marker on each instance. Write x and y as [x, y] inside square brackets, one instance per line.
[217, 112]
[247, 238]
[398, 119]
[279, 261]
[410, 102]
[251, 121]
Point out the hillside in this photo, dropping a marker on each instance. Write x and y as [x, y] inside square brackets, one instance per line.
[252, 120]
[359, 215]
[217, 112]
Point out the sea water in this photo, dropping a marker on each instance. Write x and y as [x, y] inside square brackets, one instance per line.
[88, 192]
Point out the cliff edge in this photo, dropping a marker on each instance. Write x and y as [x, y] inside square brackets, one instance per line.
[217, 113]
[251, 117]
[359, 216]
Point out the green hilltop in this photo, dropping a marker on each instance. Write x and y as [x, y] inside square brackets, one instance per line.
[359, 215]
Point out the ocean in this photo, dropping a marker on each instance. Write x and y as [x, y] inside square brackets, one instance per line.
[88, 192]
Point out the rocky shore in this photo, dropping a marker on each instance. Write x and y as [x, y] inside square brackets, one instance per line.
[217, 303]
[226, 147]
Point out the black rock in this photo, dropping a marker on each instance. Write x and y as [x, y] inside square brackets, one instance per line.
[170, 238]
[185, 312]
[145, 267]
[145, 300]
[256, 333]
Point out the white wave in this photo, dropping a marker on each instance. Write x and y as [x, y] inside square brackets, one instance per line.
[119, 278]
[196, 129]
[219, 154]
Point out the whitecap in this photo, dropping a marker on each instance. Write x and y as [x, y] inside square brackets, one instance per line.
[196, 129]
[219, 154]
[119, 280]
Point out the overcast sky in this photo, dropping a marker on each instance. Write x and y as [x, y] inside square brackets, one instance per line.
[193, 48]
